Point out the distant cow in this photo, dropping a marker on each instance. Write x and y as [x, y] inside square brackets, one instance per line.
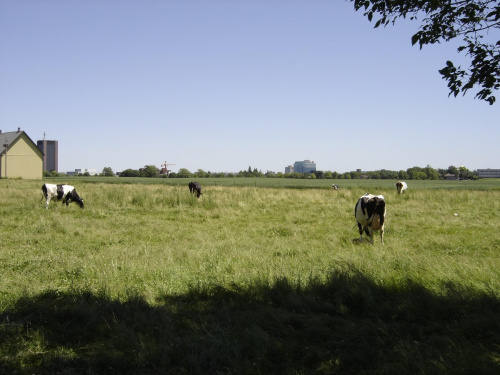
[335, 187]
[66, 193]
[401, 186]
[195, 188]
[370, 215]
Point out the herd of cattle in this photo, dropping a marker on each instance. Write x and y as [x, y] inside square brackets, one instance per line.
[369, 210]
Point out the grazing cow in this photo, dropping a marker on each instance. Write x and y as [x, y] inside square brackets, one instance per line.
[65, 192]
[195, 188]
[370, 215]
[335, 187]
[401, 186]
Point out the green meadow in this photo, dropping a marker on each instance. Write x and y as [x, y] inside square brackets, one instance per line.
[258, 276]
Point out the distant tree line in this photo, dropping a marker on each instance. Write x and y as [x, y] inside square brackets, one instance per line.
[414, 173]
[106, 172]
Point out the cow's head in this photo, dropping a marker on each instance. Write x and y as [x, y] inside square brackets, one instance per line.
[75, 197]
[79, 203]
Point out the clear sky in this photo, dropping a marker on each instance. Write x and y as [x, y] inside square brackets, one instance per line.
[222, 85]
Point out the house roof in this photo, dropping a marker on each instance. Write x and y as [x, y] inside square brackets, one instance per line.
[11, 137]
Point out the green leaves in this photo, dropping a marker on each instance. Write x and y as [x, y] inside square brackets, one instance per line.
[471, 20]
[419, 37]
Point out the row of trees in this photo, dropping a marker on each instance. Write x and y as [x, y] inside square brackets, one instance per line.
[414, 173]
[106, 172]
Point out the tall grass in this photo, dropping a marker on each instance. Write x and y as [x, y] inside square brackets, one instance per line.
[287, 183]
[149, 279]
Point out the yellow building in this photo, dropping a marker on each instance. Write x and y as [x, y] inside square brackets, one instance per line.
[19, 156]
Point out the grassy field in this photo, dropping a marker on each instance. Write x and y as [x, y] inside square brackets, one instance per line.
[287, 183]
[249, 279]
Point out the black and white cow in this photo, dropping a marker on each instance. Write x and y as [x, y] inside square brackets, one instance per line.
[335, 187]
[370, 215]
[65, 192]
[195, 188]
[401, 186]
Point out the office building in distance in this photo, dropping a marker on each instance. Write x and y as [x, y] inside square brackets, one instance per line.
[488, 173]
[50, 154]
[305, 166]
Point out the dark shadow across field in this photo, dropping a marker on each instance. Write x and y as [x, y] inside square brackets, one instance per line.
[347, 325]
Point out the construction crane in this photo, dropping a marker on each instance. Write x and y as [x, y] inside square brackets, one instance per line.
[164, 169]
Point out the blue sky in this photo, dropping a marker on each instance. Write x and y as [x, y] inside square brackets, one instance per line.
[222, 85]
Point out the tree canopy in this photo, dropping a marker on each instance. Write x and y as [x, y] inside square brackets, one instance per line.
[149, 171]
[474, 21]
[107, 172]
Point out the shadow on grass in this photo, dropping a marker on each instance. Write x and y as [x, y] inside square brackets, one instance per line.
[347, 325]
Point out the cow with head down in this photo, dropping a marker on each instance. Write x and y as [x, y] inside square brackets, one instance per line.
[195, 188]
[370, 215]
[66, 193]
[401, 186]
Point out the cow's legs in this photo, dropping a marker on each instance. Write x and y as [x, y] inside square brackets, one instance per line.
[369, 232]
[360, 228]
[47, 201]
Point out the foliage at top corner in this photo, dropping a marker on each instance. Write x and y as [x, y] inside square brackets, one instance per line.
[443, 20]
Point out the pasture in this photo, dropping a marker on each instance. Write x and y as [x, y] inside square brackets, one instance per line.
[147, 279]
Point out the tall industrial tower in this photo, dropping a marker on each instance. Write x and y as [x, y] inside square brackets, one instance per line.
[50, 154]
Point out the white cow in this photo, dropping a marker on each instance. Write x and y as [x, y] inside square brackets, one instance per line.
[370, 215]
[65, 192]
[401, 186]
